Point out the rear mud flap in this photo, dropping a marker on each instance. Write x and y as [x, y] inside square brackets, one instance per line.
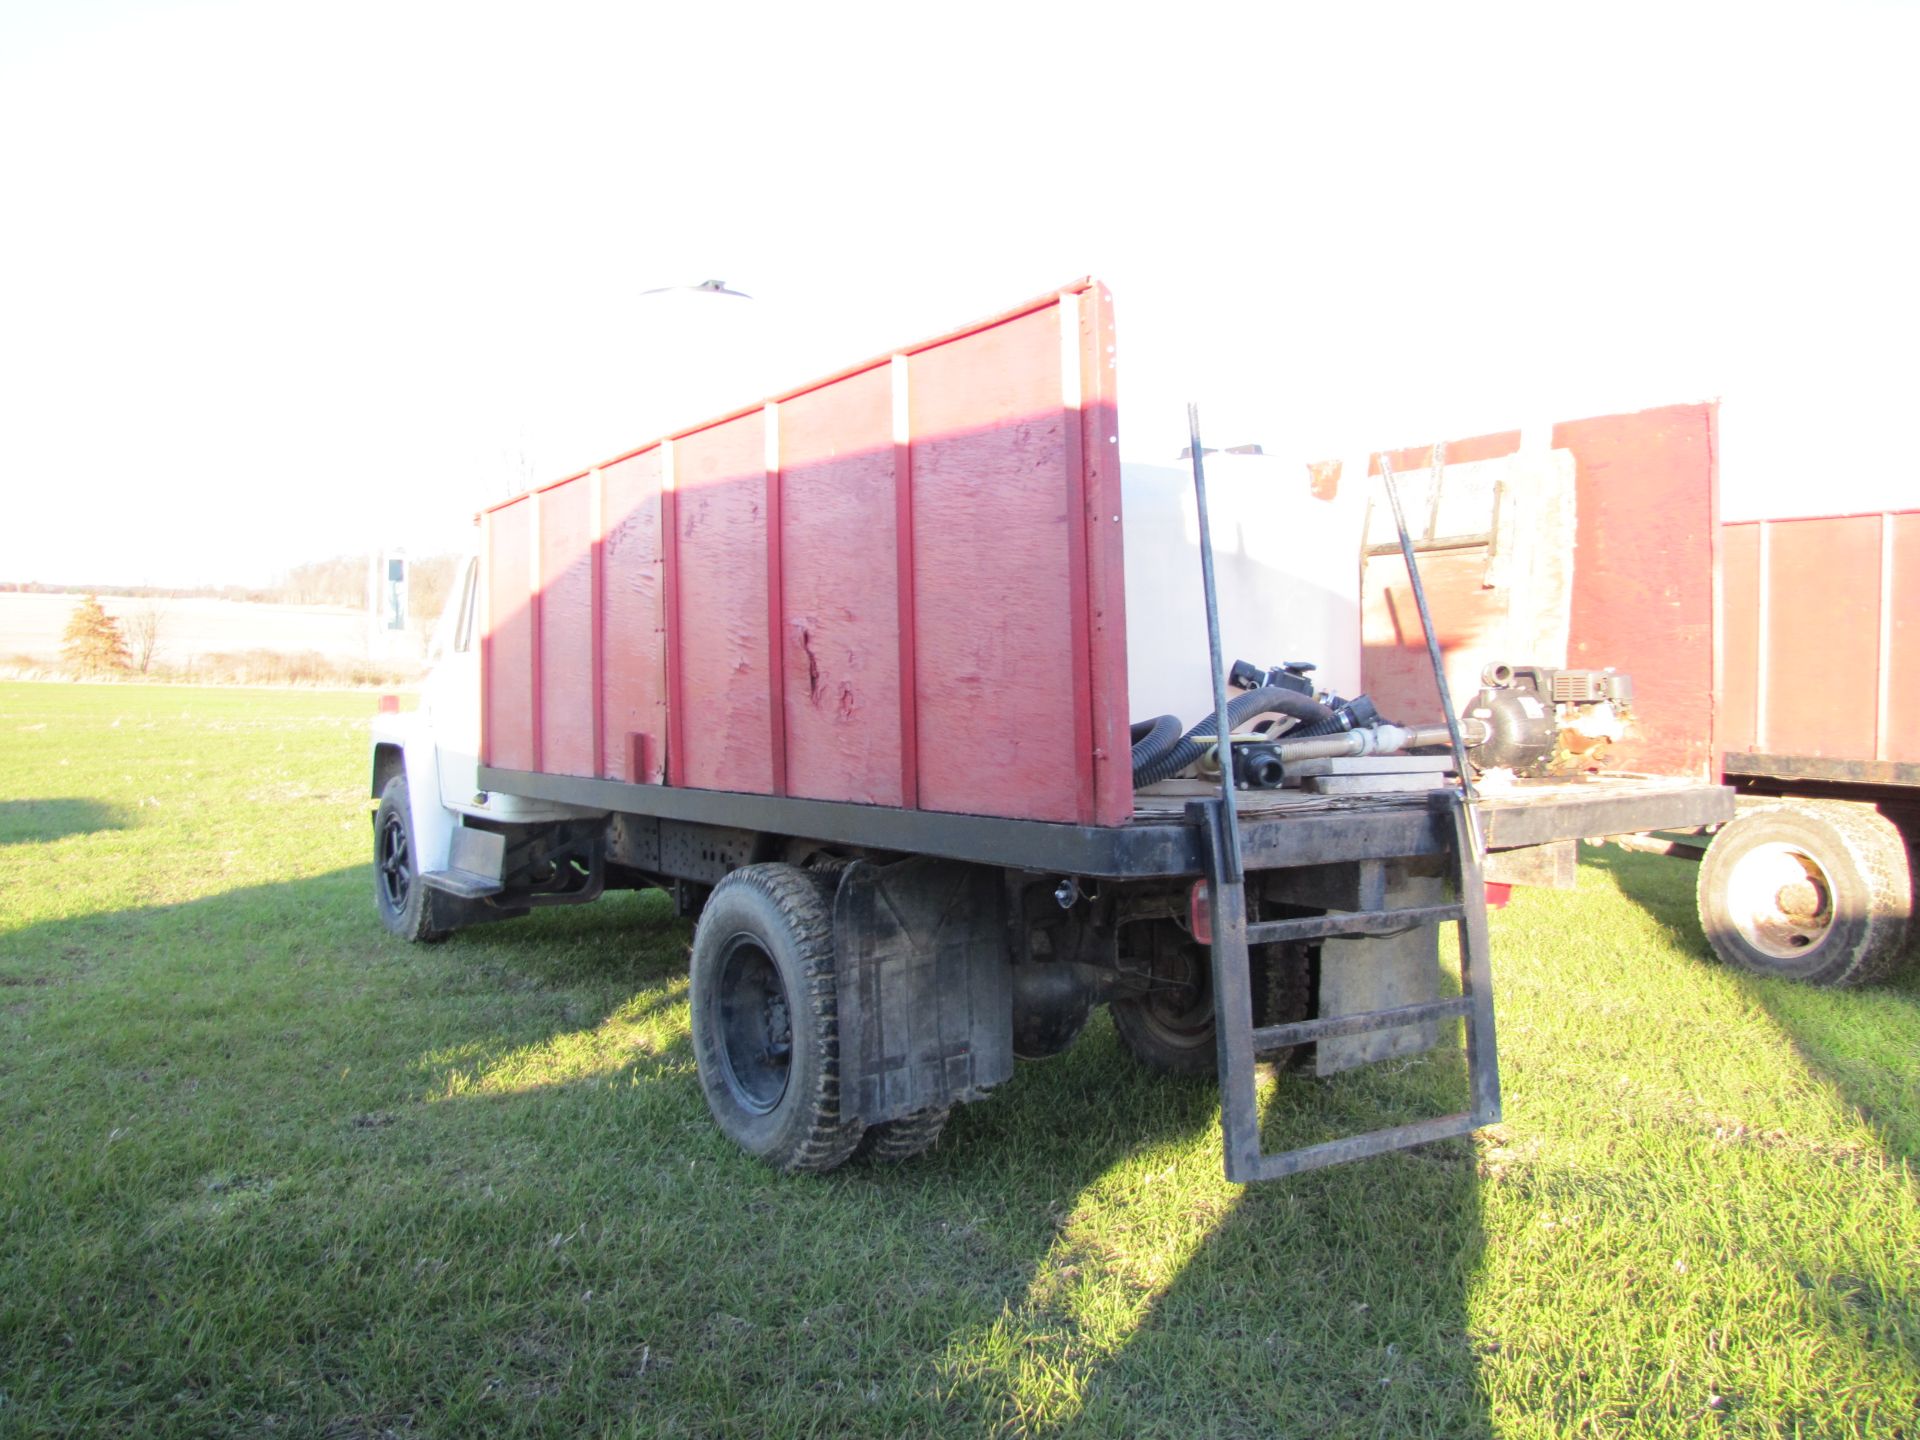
[925, 986]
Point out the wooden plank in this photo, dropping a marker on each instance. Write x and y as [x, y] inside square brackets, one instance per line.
[1106, 559]
[1459, 452]
[566, 689]
[633, 621]
[1822, 638]
[509, 651]
[1643, 576]
[1901, 743]
[724, 658]
[1374, 784]
[535, 671]
[595, 624]
[1466, 616]
[1736, 716]
[1371, 765]
[993, 603]
[900, 374]
[1079, 600]
[676, 764]
[840, 642]
[775, 544]
[959, 543]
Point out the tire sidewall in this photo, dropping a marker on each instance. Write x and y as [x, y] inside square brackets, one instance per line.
[1851, 895]
[408, 922]
[738, 907]
[1194, 1052]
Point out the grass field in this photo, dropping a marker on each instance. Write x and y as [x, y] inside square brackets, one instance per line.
[265, 1171]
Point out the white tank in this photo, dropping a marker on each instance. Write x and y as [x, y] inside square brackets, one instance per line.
[1286, 555]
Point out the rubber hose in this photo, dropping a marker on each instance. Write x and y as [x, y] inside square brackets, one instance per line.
[1152, 739]
[1304, 708]
[1329, 726]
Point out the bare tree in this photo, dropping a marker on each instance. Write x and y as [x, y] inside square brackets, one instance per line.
[429, 584]
[143, 635]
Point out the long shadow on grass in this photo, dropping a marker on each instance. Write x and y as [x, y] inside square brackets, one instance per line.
[1067, 1260]
[1107, 1281]
[1329, 1304]
[472, 1188]
[25, 822]
[218, 1112]
[1862, 1042]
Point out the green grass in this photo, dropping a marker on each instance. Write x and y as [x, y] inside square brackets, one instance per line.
[265, 1171]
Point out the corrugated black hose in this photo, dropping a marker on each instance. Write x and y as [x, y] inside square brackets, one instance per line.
[1152, 739]
[1314, 718]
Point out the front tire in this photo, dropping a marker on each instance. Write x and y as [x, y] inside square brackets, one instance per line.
[765, 1018]
[405, 905]
[1817, 891]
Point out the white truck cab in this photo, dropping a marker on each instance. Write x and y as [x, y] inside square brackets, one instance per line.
[425, 767]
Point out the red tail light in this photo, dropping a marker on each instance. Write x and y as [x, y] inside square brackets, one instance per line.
[389, 704]
[1200, 913]
[1498, 895]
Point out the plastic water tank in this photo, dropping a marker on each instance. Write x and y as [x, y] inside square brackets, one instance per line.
[1287, 565]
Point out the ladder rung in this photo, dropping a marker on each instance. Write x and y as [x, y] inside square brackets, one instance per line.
[1274, 1037]
[1355, 1147]
[1350, 922]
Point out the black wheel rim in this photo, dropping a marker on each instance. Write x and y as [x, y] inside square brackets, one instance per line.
[756, 1026]
[396, 864]
[1179, 1009]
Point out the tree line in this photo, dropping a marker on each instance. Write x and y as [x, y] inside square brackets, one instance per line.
[340, 580]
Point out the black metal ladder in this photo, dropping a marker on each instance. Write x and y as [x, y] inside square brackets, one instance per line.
[1240, 1041]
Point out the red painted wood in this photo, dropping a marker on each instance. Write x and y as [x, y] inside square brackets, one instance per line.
[898, 372]
[633, 620]
[1395, 668]
[1459, 452]
[596, 626]
[1106, 575]
[1666, 592]
[1646, 540]
[934, 619]
[723, 660]
[840, 643]
[776, 605]
[993, 601]
[1646, 548]
[675, 761]
[535, 669]
[1739, 638]
[509, 679]
[1901, 742]
[1072, 354]
[566, 629]
[1822, 637]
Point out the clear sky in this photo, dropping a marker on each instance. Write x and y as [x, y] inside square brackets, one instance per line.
[284, 280]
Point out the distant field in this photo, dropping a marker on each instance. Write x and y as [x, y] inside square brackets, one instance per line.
[266, 1171]
[31, 625]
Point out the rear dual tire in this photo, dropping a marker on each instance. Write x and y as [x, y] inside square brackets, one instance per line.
[765, 1022]
[1171, 1028]
[1818, 891]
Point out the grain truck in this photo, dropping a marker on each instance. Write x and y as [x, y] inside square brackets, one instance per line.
[1784, 651]
[911, 694]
